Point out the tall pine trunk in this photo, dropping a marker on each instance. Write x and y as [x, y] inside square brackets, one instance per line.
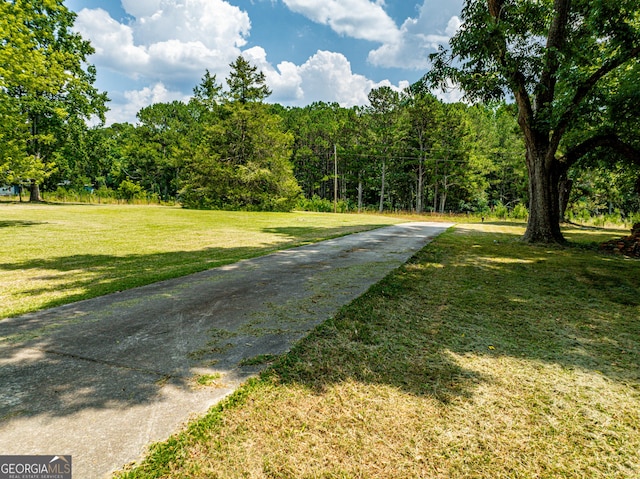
[360, 190]
[382, 186]
[420, 187]
[565, 187]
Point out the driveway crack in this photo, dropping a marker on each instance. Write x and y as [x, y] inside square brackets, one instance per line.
[114, 364]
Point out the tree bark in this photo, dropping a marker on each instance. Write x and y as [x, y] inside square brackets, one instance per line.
[435, 193]
[383, 181]
[443, 201]
[544, 201]
[34, 195]
[565, 192]
[420, 186]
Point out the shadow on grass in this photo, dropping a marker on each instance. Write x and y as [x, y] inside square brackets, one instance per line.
[93, 275]
[46, 367]
[480, 294]
[19, 223]
[469, 293]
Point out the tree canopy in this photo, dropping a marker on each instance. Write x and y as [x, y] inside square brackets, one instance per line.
[242, 154]
[569, 65]
[46, 88]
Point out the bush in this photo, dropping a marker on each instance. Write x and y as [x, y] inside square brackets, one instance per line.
[500, 211]
[520, 212]
[64, 195]
[614, 218]
[129, 191]
[321, 205]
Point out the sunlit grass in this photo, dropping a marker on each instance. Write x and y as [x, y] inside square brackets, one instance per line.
[55, 254]
[483, 357]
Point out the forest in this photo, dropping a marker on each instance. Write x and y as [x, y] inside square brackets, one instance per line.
[229, 148]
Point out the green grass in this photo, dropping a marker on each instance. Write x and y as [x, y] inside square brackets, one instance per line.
[208, 379]
[56, 254]
[482, 357]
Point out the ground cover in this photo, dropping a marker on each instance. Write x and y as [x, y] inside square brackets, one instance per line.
[56, 254]
[481, 358]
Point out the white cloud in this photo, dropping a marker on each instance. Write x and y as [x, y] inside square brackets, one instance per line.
[414, 44]
[360, 19]
[112, 41]
[215, 23]
[453, 26]
[284, 80]
[167, 40]
[451, 94]
[134, 100]
[326, 76]
[141, 8]
[407, 46]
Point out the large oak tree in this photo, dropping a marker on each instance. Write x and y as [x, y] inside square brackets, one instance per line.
[565, 63]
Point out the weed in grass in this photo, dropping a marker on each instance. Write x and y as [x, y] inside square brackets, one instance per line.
[253, 329]
[217, 334]
[208, 379]
[258, 360]
[209, 351]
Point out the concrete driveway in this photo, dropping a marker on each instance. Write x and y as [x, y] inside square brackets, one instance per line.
[102, 379]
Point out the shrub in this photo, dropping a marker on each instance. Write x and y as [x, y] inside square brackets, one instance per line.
[520, 212]
[129, 190]
[500, 211]
[321, 205]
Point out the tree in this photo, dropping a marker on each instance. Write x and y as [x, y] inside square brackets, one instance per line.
[498, 140]
[207, 94]
[246, 83]
[242, 159]
[317, 128]
[155, 152]
[45, 85]
[384, 113]
[555, 58]
[424, 112]
[455, 167]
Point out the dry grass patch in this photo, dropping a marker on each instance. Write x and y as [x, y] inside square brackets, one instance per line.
[481, 358]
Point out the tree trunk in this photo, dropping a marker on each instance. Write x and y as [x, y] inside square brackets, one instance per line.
[419, 207]
[565, 191]
[544, 201]
[360, 189]
[34, 192]
[443, 201]
[435, 193]
[383, 181]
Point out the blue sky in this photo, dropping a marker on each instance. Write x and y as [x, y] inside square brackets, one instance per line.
[150, 51]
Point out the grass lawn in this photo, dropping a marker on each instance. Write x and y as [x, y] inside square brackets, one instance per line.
[56, 254]
[481, 358]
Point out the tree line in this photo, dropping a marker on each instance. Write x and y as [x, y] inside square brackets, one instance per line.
[228, 149]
